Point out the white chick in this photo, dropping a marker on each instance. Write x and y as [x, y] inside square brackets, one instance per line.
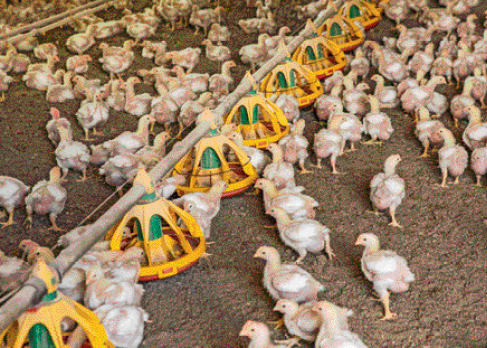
[385, 269]
[387, 189]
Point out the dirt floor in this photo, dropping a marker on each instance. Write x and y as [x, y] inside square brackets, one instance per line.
[443, 237]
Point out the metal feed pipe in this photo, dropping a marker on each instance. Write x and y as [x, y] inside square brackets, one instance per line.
[33, 289]
[46, 21]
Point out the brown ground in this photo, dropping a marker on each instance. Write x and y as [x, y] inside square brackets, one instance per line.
[443, 236]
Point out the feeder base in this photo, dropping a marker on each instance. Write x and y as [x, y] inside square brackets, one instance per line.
[151, 277]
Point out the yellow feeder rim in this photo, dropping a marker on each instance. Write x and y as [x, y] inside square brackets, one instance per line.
[259, 120]
[40, 326]
[343, 32]
[169, 248]
[292, 78]
[206, 163]
[376, 3]
[321, 55]
[362, 11]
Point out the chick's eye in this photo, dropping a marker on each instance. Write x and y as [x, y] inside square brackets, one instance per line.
[252, 330]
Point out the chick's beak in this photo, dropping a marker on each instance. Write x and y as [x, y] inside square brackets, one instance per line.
[243, 332]
[359, 241]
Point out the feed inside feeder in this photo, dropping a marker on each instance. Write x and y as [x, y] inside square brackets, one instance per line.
[170, 237]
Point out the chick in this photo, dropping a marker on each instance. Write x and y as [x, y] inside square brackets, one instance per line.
[300, 320]
[260, 336]
[452, 158]
[478, 163]
[427, 131]
[34, 251]
[100, 291]
[329, 143]
[12, 195]
[47, 197]
[208, 201]
[387, 189]
[302, 235]
[124, 324]
[332, 333]
[295, 204]
[287, 281]
[295, 146]
[13, 272]
[386, 269]
[377, 124]
[279, 171]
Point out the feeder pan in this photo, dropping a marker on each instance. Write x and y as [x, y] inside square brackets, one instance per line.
[360, 11]
[343, 32]
[40, 326]
[320, 55]
[259, 120]
[169, 248]
[290, 77]
[206, 163]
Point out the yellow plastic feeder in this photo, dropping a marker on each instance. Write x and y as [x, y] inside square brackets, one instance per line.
[376, 3]
[259, 120]
[320, 55]
[343, 32]
[292, 78]
[206, 163]
[169, 248]
[367, 14]
[40, 326]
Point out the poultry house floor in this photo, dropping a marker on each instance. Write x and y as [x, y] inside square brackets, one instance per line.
[443, 237]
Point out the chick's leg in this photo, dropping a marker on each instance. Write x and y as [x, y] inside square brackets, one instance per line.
[318, 163]
[388, 315]
[393, 223]
[444, 173]
[302, 254]
[10, 220]
[372, 141]
[28, 220]
[352, 147]
[333, 160]
[83, 176]
[478, 181]
[328, 250]
[87, 138]
[289, 342]
[65, 174]
[303, 169]
[426, 145]
[54, 227]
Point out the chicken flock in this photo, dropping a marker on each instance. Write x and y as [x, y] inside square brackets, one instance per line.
[105, 281]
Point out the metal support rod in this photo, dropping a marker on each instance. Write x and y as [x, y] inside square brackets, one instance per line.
[49, 20]
[59, 23]
[33, 290]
